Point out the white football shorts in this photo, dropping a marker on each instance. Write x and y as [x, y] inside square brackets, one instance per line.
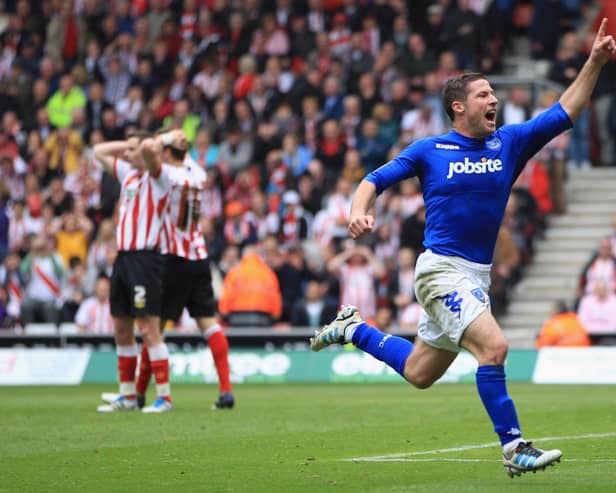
[452, 292]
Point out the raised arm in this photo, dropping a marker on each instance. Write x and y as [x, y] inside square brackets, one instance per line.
[361, 221]
[577, 95]
[106, 152]
[151, 151]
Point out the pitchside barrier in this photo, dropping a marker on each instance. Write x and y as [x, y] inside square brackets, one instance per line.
[76, 365]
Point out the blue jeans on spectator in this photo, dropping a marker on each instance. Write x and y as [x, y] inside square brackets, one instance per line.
[579, 143]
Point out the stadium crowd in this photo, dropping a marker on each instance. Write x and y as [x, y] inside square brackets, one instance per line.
[287, 104]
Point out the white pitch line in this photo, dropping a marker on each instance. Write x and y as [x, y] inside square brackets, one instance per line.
[463, 448]
[459, 459]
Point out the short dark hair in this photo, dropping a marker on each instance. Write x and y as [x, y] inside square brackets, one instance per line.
[139, 134]
[456, 89]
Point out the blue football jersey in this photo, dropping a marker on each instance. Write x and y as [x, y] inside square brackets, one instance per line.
[466, 182]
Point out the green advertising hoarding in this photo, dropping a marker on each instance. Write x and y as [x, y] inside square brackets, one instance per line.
[260, 366]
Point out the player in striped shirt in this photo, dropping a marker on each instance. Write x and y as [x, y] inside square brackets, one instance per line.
[136, 282]
[187, 279]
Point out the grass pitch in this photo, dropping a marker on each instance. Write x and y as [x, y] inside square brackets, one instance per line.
[294, 438]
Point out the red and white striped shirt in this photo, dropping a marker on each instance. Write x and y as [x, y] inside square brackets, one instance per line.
[357, 288]
[142, 204]
[94, 316]
[182, 234]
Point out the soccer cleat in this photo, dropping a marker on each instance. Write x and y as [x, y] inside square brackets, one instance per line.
[527, 458]
[121, 403]
[160, 405]
[225, 401]
[109, 397]
[334, 333]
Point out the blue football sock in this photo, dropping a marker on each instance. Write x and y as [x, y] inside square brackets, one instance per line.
[493, 392]
[392, 350]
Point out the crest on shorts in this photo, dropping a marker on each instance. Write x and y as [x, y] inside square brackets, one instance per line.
[478, 293]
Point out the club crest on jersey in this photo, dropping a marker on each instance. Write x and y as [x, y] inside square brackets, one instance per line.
[494, 143]
[468, 167]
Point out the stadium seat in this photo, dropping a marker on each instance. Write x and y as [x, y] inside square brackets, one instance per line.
[41, 329]
[68, 329]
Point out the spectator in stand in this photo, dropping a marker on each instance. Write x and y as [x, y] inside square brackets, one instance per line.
[611, 123]
[564, 70]
[332, 147]
[266, 222]
[11, 178]
[64, 147]
[101, 250]
[515, 109]
[93, 315]
[613, 236]
[251, 293]
[400, 287]
[554, 155]
[74, 289]
[6, 320]
[417, 59]
[411, 197]
[602, 267]
[597, 310]
[204, 152]
[61, 104]
[66, 34]
[357, 268]
[505, 270]
[419, 123]
[58, 198]
[5, 240]
[339, 207]
[313, 309]
[562, 329]
[43, 272]
[295, 155]
[235, 151]
[353, 170]
[238, 230]
[372, 146]
[293, 221]
[412, 232]
[72, 240]
[13, 281]
[183, 119]
[17, 229]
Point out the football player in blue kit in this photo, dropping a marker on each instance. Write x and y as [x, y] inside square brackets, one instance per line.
[466, 176]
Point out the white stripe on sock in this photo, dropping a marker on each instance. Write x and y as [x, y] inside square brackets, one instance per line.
[159, 352]
[127, 351]
[163, 389]
[127, 388]
[211, 331]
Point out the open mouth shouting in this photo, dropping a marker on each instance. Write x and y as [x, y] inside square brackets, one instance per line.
[491, 118]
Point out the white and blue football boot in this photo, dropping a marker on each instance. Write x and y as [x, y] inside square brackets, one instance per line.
[339, 330]
[525, 458]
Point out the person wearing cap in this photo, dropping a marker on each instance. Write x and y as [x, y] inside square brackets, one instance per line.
[340, 35]
[293, 224]
[238, 230]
